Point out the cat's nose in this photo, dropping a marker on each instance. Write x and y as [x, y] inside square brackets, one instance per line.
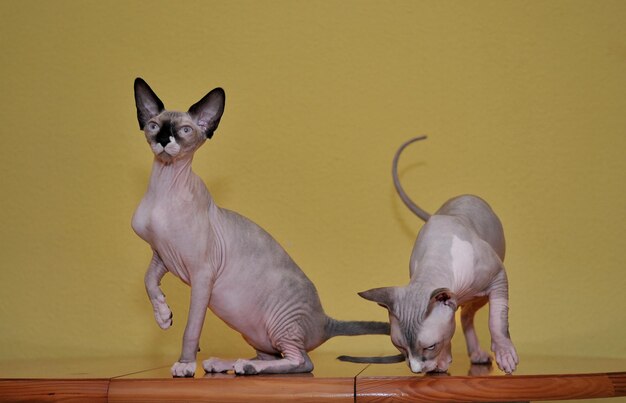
[164, 138]
[166, 134]
[163, 141]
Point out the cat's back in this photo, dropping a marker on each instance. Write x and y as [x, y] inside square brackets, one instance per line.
[247, 242]
[258, 274]
[480, 216]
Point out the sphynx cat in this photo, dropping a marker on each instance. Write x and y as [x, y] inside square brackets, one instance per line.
[456, 261]
[233, 266]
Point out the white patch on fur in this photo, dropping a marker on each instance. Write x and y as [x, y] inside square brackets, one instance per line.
[415, 364]
[157, 148]
[463, 258]
[172, 148]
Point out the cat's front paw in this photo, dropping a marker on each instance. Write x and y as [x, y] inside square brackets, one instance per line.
[162, 312]
[184, 369]
[217, 365]
[506, 356]
[245, 367]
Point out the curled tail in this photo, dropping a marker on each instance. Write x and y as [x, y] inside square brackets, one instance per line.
[389, 359]
[355, 328]
[394, 172]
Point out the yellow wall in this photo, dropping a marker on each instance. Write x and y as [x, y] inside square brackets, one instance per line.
[524, 103]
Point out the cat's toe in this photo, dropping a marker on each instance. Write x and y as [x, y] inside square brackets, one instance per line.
[480, 357]
[184, 369]
[506, 357]
[245, 367]
[162, 313]
[164, 324]
[217, 365]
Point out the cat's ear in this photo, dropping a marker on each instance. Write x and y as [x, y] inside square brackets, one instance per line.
[384, 296]
[148, 104]
[442, 296]
[208, 111]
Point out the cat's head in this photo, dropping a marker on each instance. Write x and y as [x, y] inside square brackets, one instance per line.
[422, 325]
[174, 135]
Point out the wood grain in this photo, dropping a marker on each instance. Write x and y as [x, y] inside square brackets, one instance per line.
[240, 389]
[54, 390]
[490, 388]
[149, 380]
[619, 383]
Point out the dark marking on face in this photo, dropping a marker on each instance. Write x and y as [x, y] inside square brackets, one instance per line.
[167, 130]
[409, 337]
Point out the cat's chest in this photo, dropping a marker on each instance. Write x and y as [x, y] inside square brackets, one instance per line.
[157, 221]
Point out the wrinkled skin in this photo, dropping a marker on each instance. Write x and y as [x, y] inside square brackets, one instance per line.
[456, 261]
[232, 265]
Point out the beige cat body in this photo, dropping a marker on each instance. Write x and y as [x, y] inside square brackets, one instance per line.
[233, 266]
[456, 262]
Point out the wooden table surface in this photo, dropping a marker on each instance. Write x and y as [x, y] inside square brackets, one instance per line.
[147, 379]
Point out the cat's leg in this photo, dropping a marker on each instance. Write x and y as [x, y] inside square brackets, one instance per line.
[219, 365]
[501, 343]
[200, 296]
[260, 355]
[294, 360]
[445, 358]
[477, 355]
[154, 274]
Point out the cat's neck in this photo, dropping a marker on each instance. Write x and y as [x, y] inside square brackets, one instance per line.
[177, 178]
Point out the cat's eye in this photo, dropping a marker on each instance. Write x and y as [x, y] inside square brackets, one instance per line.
[186, 130]
[153, 127]
[431, 348]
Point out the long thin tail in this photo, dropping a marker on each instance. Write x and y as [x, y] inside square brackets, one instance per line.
[389, 359]
[355, 328]
[394, 172]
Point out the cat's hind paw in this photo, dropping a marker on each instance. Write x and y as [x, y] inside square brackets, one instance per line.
[184, 369]
[162, 312]
[217, 365]
[245, 367]
[480, 357]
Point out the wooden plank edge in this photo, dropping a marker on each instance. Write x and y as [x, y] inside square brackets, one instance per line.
[53, 390]
[618, 379]
[491, 388]
[229, 389]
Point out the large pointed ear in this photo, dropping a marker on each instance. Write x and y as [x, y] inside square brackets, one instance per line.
[148, 104]
[442, 296]
[208, 111]
[384, 296]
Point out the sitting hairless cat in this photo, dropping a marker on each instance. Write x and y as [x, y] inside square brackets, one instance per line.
[456, 261]
[233, 266]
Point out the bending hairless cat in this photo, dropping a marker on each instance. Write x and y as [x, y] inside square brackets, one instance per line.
[456, 261]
